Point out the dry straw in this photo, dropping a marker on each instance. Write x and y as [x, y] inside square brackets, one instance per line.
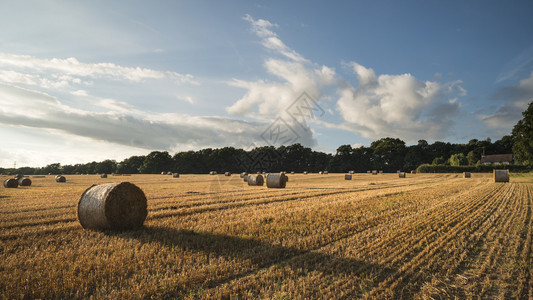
[24, 181]
[276, 180]
[11, 183]
[467, 175]
[348, 177]
[256, 180]
[112, 206]
[501, 175]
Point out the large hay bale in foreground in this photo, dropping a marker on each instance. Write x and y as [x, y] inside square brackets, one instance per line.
[24, 181]
[348, 177]
[60, 178]
[467, 175]
[401, 175]
[112, 206]
[175, 175]
[256, 180]
[501, 175]
[11, 183]
[103, 175]
[276, 180]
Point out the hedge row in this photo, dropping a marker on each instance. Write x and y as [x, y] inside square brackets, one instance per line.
[427, 168]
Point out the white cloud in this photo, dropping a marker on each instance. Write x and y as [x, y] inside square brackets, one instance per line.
[397, 105]
[188, 99]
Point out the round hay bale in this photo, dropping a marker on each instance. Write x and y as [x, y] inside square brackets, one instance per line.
[256, 180]
[292, 173]
[227, 174]
[501, 175]
[24, 181]
[381, 172]
[368, 172]
[163, 173]
[103, 175]
[258, 172]
[305, 172]
[374, 172]
[276, 180]
[413, 171]
[18, 176]
[112, 206]
[320, 172]
[213, 173]
[175, 175]
[11, 183]
[60, 178]
[401, 174]
[325, 172]
[243, 174]
[245, 178]
[348, 177]
[169, 173]
[467, 175]
[351, 172]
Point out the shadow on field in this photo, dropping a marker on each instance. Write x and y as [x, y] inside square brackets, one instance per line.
[261, 254]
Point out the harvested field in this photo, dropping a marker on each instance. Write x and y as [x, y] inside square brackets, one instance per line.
[425, 236]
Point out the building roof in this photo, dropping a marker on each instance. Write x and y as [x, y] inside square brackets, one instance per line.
[496, 158]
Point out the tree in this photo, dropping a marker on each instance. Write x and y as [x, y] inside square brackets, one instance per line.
[438, 161]
[472, 158]
[523, 138]
[157, 162]
[130, 165]
[458, 159]
[388, 153]
[107, 166]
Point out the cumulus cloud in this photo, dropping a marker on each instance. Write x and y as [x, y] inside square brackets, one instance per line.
[125, 125]
[397, 105]
[507, 115]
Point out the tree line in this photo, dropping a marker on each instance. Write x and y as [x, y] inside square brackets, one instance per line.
[387, 154]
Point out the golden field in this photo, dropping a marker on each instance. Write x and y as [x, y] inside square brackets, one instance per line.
[425, 236]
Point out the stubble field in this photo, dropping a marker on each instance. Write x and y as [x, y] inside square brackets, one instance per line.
[425, 236]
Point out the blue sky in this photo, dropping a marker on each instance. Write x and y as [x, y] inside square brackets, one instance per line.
[90, 80]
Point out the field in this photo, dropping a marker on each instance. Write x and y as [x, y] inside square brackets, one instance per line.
[425, 236]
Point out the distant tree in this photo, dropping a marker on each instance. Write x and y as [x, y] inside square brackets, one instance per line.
[130, 165]
[157, 162]
[438, 161]
[523, 138]
[107, 166]
[472, 158]
[388, 153]
[52, 169]
[458, 159]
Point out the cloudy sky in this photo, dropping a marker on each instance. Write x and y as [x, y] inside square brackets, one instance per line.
[84, 81]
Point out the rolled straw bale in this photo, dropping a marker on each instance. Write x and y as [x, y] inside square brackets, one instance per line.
[213, 173]
[60, 178]
[103, 175]
[276, 180]
[374, 172]
[368, 172]
[227, 174]
[305, 172]
[258, 172]
[467, 175]
[292, 173]
[351, 172]
[348, 177]
[24, 181]
[18, 176]
[169, 173]
[256, 180]
[243, 174]
[163, 173]
[175, 175]
[325, 172]
[381, 172]
[245, 178]
[413, 171]
[11, 183]
[401, 175]
[501, 175]
[112, 206]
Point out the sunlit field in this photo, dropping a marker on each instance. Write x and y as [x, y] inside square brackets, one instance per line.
[376, 236]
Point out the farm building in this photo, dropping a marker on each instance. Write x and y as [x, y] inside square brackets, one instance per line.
[506, 159]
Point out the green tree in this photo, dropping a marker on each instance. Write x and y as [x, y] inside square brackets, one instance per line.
[130, 165]
[438, 161]
[523, 138]
[157, 162]
[472, 158]
[458, 159]
[388, 153]
[107, 166]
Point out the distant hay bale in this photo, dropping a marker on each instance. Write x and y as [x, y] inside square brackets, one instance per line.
[258, 172]
[501, 175]
[305, 172]
[292, 173]
[103, 175]
[368, 172]
[401, 174]
[381, 172]
[245, 178]
[60, 178]
[175, 175]
[18, 176]
[112, 206]
[163, 173]
[256, 180]
[227, 174]
[169, 173]
[11, 183]
[325, 172]
[351, 172]
[243, 174]
[413, 171]
[320, 172]
[467, 175]
[348, 177]
[276, 180]
[213, 173]
[374, 172]
[24, 181]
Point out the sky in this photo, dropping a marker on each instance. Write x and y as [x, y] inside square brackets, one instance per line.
[84, 81]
